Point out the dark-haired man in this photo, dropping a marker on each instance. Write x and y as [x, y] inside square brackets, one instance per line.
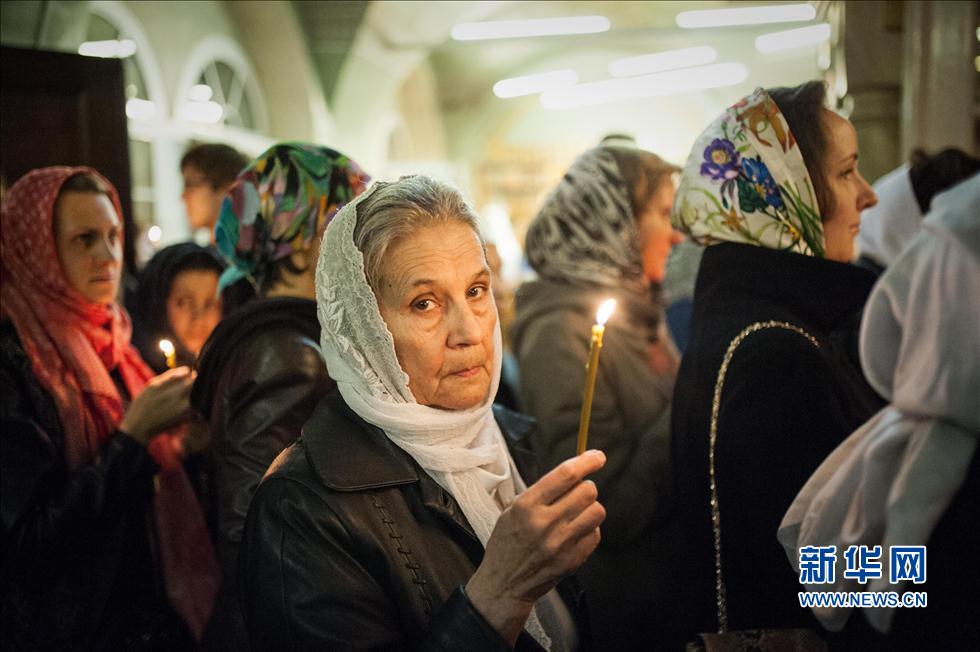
[208, 171]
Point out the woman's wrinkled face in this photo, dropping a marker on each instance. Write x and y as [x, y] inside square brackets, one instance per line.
[88, 239]
[851, 193]
[657, 236]
[435, 298]
[193, 307]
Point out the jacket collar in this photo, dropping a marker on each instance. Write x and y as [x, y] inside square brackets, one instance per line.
[823, 292]
[236, 330]
[349, 454]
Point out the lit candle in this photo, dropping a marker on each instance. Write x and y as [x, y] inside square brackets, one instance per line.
[601, 317]
[168, 350]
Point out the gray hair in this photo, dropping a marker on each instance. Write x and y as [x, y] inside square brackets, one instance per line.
[398, 209]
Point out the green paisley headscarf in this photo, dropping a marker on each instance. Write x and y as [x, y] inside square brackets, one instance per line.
[745, 181]
[279, 204]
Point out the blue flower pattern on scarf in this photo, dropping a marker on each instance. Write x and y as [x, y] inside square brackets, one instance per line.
[756, 186]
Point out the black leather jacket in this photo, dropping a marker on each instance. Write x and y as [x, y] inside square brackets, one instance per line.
[259, 378]
[349, 544]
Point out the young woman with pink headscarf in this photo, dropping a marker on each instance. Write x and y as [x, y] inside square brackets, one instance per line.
[104, 544]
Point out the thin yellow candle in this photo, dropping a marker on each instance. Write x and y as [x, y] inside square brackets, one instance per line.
[602, 316]
[168, 350]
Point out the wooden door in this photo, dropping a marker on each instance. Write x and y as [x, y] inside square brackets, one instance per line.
[65, 109]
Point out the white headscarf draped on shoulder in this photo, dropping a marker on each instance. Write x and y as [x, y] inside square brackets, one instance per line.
[891, 481]
[463, 450]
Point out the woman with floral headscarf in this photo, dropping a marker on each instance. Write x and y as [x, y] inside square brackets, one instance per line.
[261, 374]
[605, 232]
[765, 390]
[95, 501]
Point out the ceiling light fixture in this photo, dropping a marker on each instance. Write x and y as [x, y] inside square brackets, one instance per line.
[206, 112]
[200, 93]
[138, 109]
[531, 27]
[660, 61]
[655, 85]
[538, 83]
[108, 49]
[745, 16]
[793, 38]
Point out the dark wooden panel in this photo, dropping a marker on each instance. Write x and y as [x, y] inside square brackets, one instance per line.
[65, 109]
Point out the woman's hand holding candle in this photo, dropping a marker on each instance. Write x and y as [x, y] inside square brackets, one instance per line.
[163, 403]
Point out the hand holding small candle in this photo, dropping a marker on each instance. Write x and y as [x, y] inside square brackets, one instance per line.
[168, 350]
[602, 316]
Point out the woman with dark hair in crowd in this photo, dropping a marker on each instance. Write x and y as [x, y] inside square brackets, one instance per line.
[765, 391]
[605, 232]
[177, 300]
[261, 374]
[104, 543]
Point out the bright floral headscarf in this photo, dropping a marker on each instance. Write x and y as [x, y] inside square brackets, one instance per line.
[280, 204]
[745, 181]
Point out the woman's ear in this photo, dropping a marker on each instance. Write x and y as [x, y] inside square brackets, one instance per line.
[302, 261]
[313, 252]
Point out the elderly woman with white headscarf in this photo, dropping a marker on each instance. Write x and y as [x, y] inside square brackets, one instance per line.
[401, 518]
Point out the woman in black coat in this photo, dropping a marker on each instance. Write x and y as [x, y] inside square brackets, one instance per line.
[261, 374]
[104, 544]
[766, 388]
[401, 519]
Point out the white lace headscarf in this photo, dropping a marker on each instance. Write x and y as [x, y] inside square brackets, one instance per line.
[463, 450]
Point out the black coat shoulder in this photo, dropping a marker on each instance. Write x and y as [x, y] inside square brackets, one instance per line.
[349, 544]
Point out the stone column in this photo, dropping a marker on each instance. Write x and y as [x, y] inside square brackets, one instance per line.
[939, 83]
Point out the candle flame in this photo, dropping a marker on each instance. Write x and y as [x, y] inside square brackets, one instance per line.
[605, 310]
[167, 347]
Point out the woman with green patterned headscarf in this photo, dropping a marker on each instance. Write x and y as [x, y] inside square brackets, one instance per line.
[277, 210]
[766, 388]
[261, 374]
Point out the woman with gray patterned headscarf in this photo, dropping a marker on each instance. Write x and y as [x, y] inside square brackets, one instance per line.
[605, 232]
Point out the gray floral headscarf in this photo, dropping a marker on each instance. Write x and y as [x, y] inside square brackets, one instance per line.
[585, 233]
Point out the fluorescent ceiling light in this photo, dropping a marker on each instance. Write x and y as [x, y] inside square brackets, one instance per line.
[658, 84]
[108, 49]
[531, 84]
[531, 27]
[669, 60]
[138, 109]
[206, 112]
[200, 93]
[793, 38]
[745, 16]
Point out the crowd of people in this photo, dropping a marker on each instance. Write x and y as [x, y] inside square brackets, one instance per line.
[302, 439]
